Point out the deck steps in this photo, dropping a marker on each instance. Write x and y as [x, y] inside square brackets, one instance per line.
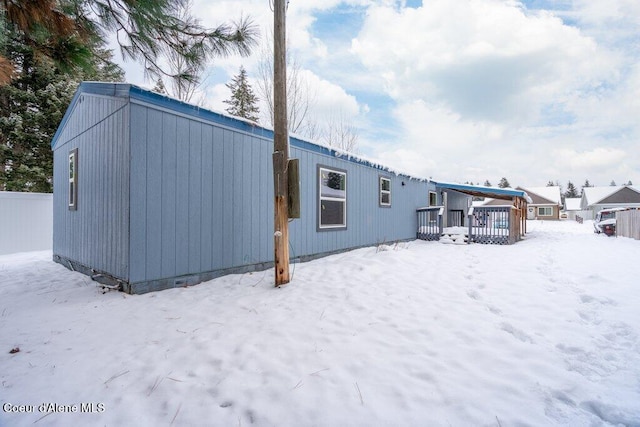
[454, 238]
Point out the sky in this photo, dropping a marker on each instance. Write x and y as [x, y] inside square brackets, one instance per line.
[465, 90]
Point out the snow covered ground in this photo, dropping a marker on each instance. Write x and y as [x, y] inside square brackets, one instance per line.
[544, 332]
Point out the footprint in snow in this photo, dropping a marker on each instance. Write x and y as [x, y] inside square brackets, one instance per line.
[517, 333]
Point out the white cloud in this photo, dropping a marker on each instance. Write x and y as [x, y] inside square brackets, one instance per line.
[601, 157]
[439, 143]
[479, 89]
[488, 60]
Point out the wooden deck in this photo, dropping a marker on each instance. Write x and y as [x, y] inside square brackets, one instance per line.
[492, 225]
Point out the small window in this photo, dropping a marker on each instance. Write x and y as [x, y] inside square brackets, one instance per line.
[73, 180]
[545, 211]
[385, 192]
[332, 203]
[433, 198]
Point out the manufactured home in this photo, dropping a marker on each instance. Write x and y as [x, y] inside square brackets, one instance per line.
[152, 193]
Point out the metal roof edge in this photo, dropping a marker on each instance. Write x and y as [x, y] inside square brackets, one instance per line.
[252, 128]
[131, 91]
[495, 190]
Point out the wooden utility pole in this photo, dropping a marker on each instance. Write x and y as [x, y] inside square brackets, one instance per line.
[280, 144]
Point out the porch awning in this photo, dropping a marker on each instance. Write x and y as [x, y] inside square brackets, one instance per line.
[479, 191]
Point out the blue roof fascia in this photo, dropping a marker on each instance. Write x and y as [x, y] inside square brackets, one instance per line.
[153, 98]
[463, 187]
[198, 112]
[244, 126]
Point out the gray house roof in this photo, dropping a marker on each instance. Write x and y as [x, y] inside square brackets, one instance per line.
[610, 195]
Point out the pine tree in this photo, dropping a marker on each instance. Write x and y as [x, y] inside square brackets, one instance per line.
[612, 183]
[572, 191]
[32, 106]
[504, 183]
[63, 31]
[629, 183]
[487, 183]
[243, 102]
[550, 184]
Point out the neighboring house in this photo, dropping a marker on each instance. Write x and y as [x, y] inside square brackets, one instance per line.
[594, 199]
[546, 202]
[572, 207]
[152, 193]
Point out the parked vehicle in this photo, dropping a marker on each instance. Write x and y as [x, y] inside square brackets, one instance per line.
[605, 221]
[608, 226]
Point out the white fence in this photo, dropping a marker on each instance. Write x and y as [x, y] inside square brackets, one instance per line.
[26, 222]
[586, 214]
[628, 224]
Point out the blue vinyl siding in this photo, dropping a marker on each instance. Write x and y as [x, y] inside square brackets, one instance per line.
[185, 191]
[96, 234]
[205, 192]
[138, 234]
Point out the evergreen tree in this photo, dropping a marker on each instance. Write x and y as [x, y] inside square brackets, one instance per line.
[487, 183]
[629, 183]
[550, 184]
[572, 191]
[32, 106]
[243, 102]
[504, 183]
[63, 30]
[612, 183]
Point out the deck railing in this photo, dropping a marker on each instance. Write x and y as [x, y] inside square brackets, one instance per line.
[430, 223]
[493, 225]
[496, 225]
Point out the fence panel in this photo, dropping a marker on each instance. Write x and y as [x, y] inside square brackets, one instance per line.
[26, 222]
[628, 224]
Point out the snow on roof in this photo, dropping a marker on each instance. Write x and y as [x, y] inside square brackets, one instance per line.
[572, 203]
[549, 193]
[597, 194]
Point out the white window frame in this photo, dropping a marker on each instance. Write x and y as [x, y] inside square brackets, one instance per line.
[72, 187]
[382, 192]
[325, 227]
[542, 209]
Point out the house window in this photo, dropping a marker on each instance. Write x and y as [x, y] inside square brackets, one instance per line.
[332, 195]
[385, 192]
[73, 180]
[433, 198]
[545, 211]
